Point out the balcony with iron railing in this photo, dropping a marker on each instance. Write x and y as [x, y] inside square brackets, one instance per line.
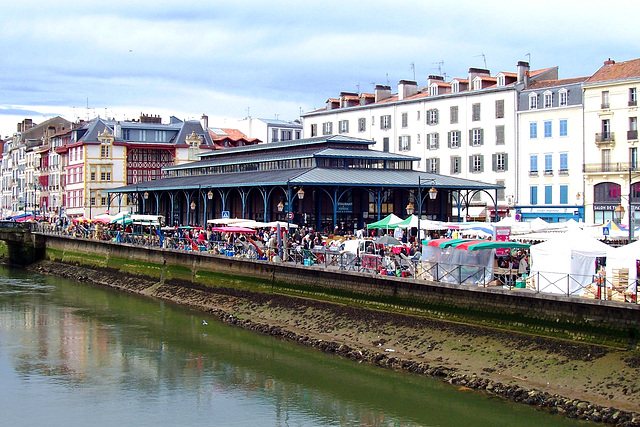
[609, 167]
[605, 139]
[633, 103]
[632, 135]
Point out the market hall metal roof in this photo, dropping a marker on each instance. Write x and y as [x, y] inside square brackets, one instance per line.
[386, 178]
[302, 153]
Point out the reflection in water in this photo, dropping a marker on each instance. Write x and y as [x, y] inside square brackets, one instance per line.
[77, 354]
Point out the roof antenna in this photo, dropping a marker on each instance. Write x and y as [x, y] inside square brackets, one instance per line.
[529, 55]
[439, 64]
[484, 58]
[358, 88]
[413, 67]
[387, 74]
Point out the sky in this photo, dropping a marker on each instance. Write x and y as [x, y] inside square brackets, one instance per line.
[81, 58]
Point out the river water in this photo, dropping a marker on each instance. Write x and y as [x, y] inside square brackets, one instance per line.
[77, 354]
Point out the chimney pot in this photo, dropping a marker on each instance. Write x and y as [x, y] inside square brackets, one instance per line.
[609, 62]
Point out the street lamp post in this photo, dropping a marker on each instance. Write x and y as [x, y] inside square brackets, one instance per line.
[433, 193]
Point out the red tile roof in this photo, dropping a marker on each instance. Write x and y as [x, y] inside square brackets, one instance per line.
[617, 71]
[540, 84]
[351, 98]
[536, 72]
[506, 74]
[367, 95]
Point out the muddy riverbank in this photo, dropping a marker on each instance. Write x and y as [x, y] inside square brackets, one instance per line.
[579, 380]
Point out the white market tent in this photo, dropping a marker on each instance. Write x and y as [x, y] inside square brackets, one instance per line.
[566, 263]
[625, 256]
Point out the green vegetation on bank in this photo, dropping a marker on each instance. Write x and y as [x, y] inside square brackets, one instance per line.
[583, 331]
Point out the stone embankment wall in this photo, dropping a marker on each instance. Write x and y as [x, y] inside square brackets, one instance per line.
[607, 322]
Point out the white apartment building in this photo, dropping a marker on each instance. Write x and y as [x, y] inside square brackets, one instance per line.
[464, 128]
[270, 130]
[550, 151]
[612, 178]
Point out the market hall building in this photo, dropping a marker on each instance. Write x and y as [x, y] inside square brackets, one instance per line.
[321, 182]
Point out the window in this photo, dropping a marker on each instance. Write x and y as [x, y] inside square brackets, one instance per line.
[453, 114]
[432, 116]
[455, 165]
[161, 136]
[633, 128]
[564, 97]
[633, 97]
[475, 112]
[563, 127]
[500, 135]
[633, 157]
[92, 173]
[455, 87]
[533, 101]
[606, 130]
[105, 173]
[564, 194]
[314, 130]
[476, 137]
[433, 141]
[533, 130]
[499, 162]
[105, 151]
[143, 135]
[274, 135]
[501, 80]
[564, 163]
[362, 124]
[605, 99]
[433, 165]
[298, 134]
[343, 125]
[548, 164]
[327, 128]
[476, 163]
[500, 108]
[454, 139]
[547, 129]
[548, 194]
[126, 134]
[405, 120]
[533, 164]
[103, 201]
[285, 135]
[548, 99]
[500, 191]
[385, 122]
[404, 143]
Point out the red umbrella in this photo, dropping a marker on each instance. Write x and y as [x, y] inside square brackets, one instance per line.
[465, 245]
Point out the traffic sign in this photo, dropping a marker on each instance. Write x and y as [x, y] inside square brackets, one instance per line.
[289, 215]
[225, 214]
[605, 231]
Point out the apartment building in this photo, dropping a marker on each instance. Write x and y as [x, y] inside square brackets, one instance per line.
[270, 130]
[465, 128]
[550, 151]
[611, 173]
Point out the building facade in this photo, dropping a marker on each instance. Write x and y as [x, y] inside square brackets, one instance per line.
[268, 130]
[463, 128]
[612, 178]
[550, 151]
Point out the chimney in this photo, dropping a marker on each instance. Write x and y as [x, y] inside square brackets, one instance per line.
[204, 120]
[117, 130]
[382, 92]
[523, 71]
[406, 88]
[609, 62]
[475, 72]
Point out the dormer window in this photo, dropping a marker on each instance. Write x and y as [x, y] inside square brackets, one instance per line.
[548, 99]
[477, 83]
[501, 80]
[455, 86]
[563, 97]
[533, 101]
[433, 90]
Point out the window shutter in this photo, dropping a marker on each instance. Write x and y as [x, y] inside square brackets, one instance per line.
[506, 162]
[470, 163]
[399, 143]
[381, 123]
[494, 162]
[409, 143]
[452, 162]
[481, 136]
[437, 141]
[449, 139]
[436, 118]
[438, 165]
[471, 137]
[481, 163]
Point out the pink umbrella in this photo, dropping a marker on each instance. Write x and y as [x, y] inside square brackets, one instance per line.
[232, 229]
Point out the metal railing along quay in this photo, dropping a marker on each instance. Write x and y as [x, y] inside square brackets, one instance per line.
[571, 285]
